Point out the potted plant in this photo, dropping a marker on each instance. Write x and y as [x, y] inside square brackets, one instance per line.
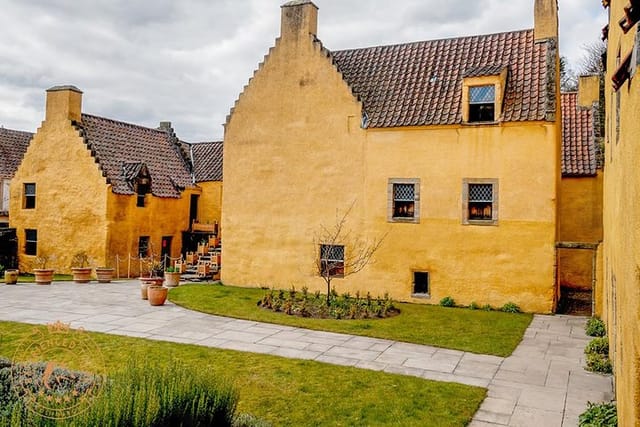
[10, 275]
[152, 279]
[43, 275]
[172, 277]
[157, 294]
[104, 274]
[80, 268]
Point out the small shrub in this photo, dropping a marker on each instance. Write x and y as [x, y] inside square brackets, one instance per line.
[510, 307]
[599, 363]
[473, 306]
[599, 415]
[447, 302]
[487, 307]
[597, 352]
[595, 327]
[598, 345]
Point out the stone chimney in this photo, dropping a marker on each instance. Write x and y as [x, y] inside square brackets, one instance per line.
[299, 19]
[64, 103]
[588, 90]
[165, 126]
[545, 19]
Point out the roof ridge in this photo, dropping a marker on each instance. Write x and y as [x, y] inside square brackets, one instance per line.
[2, 128]
[415, 42]
[133, 125]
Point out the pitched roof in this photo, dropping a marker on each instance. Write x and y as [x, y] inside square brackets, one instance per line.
[122, 149]
[207, 160]
[13, 145]
[579, 148]
[420, 83]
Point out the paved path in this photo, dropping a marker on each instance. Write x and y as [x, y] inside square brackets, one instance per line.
[541, 384]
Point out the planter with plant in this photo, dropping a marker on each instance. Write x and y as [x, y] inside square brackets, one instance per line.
[172, 277]
[80, 268]
[10, 275]
[153, 279]
[157, 294]
[105, 274]
[43, 275]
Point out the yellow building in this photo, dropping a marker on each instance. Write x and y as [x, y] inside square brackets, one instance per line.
[580, 207]
[450, 148]
[13, 145]
[621, 195]
[114, 190]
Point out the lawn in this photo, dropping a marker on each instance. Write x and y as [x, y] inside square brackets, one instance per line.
[289, 392]
[477, 331]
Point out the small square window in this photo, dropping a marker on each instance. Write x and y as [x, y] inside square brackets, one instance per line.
[403, 198]
[31, 242]
[482, 103]
[421, 283]
[29, 200]
[480, 201]
[332, 260]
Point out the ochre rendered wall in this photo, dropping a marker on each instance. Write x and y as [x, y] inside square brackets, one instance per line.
[75, 208]
[580, 219]
[210, 203]
[71, 198]
[295, 155]
[161, 217]
[622, 222]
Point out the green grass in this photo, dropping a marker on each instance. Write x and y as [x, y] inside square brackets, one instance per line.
[290, 392]
[486, 332]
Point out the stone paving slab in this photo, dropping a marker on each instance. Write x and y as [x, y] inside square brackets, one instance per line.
[542, 383]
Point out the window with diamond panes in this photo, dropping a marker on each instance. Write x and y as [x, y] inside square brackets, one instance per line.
[482, 103]
[480, 201]
[332, 260]
[404, 200]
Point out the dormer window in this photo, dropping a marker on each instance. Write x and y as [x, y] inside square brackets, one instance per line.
[482, 101]
[483, 89]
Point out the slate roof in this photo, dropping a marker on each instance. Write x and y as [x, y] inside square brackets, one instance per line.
[121, 149]
[579, 146]
[13, 145]
[420, 83]
[207, 160]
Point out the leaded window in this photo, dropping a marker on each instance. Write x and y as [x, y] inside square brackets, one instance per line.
[332, 260]
[482, 103]
[480, 201]
[404, 198]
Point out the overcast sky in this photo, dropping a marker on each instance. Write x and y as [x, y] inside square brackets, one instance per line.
[186, 61]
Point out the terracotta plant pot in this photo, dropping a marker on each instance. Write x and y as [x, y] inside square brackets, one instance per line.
[81, 274]
[157, 294]
[173, 279]
[104, 274]
[44, 276]
[145, 282]
[11, 277]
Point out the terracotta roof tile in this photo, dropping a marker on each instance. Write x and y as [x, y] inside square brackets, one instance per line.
[120, 148]
[420, 83]
[579, 154]
[13, 145]
[207, 160]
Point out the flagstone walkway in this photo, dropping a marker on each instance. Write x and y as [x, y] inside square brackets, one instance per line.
[541, 384]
